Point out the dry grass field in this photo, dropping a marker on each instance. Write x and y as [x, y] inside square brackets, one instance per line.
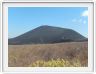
[69, 54]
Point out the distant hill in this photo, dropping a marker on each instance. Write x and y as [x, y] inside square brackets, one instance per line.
[47, 34]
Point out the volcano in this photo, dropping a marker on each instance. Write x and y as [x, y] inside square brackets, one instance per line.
[47, 34]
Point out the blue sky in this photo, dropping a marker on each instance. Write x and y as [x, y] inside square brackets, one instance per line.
[24, 19]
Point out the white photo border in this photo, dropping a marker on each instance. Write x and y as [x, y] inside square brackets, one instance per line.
[48, 73]
[94, 56]
[48, 0]
[90, 67]
[0, 38]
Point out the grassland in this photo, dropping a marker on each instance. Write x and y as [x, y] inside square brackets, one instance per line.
[71, 54]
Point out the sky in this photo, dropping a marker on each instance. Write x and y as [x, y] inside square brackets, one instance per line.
[24, 19]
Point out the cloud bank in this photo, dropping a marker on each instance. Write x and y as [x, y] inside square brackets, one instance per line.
[85, 13]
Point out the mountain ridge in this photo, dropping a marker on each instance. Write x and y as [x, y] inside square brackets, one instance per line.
[47, 34]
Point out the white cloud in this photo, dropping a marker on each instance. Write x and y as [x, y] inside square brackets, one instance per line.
[85, 13]
[79, 21]
[84, 22]
[74, 20]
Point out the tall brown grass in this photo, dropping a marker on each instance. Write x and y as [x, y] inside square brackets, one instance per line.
[27, 55]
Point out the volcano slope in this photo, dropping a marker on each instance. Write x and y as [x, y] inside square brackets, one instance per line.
[47, 34]
[48, 46]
